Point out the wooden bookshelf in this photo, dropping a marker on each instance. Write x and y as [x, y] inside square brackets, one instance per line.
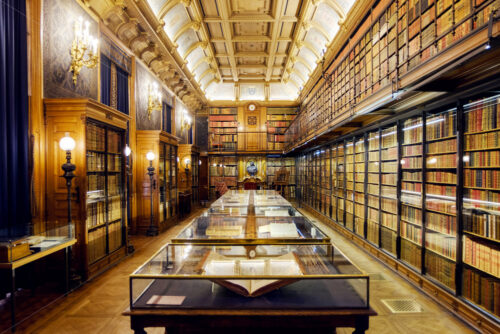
[165, 197]
[273, 164]
[411, 226]
[481, 204]
[223, 130]
[98, 205]
[399, 41]
[430, 199]
[278, 120]
[222, 168]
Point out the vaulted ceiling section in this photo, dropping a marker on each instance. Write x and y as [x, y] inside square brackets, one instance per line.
[250, 49]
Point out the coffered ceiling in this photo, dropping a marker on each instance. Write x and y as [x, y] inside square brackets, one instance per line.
[250, 49]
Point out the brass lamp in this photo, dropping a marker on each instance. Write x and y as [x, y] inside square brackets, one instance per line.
[83, 49]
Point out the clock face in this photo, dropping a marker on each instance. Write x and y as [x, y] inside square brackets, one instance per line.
[251, 107]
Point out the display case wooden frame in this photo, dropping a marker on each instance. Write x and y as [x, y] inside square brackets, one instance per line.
[72, 116]
[154, 141]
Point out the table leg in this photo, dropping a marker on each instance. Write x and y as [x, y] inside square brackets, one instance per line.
[139, 331]
[66, 268]
[13, 301]
[361, 325]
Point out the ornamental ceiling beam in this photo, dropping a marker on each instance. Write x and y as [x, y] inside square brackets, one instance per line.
[226, 30]
[276, 25]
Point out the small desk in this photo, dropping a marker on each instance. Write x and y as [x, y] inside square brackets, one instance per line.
[12, 266]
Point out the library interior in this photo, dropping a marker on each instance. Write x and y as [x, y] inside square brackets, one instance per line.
[264, 166]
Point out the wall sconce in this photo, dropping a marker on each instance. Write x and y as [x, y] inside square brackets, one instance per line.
[187, 163]
[154, 99]
[186, 122]
[83, 49]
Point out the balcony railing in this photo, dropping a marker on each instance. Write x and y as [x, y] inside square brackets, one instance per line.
[247, 141]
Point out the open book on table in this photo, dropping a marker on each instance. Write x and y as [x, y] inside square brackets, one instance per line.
[285, 265]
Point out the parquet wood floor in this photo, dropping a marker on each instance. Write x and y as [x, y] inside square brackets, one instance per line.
[96, 307]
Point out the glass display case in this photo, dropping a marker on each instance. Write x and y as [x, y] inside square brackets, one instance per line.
[255, 230]
[22, 248]
[190, 276]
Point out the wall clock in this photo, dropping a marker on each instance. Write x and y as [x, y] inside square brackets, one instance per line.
[251, 107]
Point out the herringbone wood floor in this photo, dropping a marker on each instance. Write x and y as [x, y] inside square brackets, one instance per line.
[96, 307]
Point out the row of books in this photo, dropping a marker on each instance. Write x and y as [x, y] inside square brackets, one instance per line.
[441, 205]
[223, 111]
[412, 150]
[441, 269]
[115, 208]
[411, 232]
[411, 214]
[482, 223]
[277, 124]
[388, 240]
[444, 146]
[411, 163]
[95, 137]
[217, 139]
[482, 290]
[441, 244]
[482, 159]
[96, 214]
[484, 199]
[115, 238]
[226, 146]
[482, 141]
[96, 182]
[222, 118]
[390, 153]
[441, 223]
[435, 189]
[413, 132]
[280, 117]
[389, 220]
[411, 253]
[411, 186]
[96, 248]
[114, 142]
[482, 178]
[218, 131]
[276, 138]
[96, 162]
[276, 130]
[412, 176]
[114, 184]
[275, 146]
[483, 116]
[481, 256]
[442, 177]
[223, 171]
[114, 163]
[223, 124]
[442, 161]
[441, 126]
